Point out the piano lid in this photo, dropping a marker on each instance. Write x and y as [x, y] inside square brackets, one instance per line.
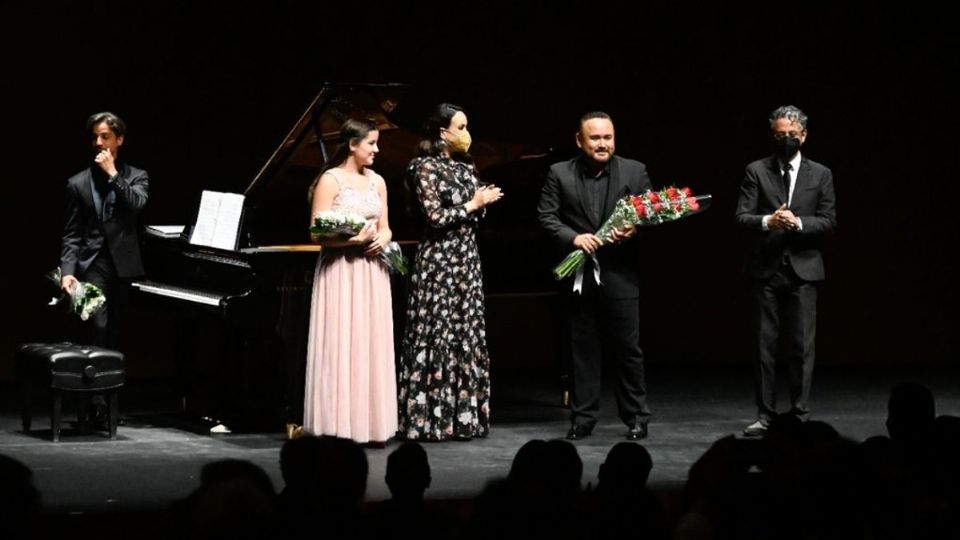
[276, 210]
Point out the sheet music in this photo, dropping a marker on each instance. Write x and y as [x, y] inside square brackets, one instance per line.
[218, 221]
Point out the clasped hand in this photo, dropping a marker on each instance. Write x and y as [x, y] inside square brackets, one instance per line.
[375, 241]
[783, 220]
[484, 196]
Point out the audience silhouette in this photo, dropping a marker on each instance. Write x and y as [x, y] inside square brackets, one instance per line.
[802, 480]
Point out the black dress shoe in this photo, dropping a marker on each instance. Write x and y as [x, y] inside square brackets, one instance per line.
[637, 432]
[97, 419]
[578, 432]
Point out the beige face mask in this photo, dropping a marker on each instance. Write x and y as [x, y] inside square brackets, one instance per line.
[460, 141]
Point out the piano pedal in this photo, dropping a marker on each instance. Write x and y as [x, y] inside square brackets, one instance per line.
[294, 431]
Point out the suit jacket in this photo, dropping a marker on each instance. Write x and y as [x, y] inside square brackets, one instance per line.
[563, 213]
[762, 192]
[84, 233]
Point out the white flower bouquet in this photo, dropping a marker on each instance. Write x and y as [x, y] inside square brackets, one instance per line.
[333, 223]
[84, 299]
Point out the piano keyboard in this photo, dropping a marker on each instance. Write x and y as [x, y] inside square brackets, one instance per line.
[182, 293]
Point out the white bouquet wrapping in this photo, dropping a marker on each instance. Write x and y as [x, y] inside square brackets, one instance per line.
[84, 299]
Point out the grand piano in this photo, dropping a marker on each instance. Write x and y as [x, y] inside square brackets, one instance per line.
[240, 316]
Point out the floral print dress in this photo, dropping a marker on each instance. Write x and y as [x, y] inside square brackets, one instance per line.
[444, 384]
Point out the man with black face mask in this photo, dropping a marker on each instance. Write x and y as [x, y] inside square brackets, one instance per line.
[787, 205]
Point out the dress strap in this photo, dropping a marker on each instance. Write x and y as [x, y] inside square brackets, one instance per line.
[335, 177]
[371, 179]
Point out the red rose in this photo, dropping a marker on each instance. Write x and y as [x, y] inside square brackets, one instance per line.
[676, 207]
[657, 207]
[672, 192]
[687, 191]
[642, 211]
[653, 197]
[693, 204]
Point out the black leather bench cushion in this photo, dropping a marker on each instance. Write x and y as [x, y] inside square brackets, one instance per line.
[71, 367]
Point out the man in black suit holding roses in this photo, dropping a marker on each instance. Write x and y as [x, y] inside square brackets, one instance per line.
[603, 315]
[787, 206]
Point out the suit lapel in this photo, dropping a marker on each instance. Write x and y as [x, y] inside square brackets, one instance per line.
[775, 180]
[86, 191]
[803, 179]
[581, 198]
[613, 188]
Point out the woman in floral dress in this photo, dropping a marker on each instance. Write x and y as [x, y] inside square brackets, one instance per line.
[444, 369]
[351, 376]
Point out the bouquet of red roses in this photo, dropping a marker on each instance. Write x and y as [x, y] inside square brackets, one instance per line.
[650, 208]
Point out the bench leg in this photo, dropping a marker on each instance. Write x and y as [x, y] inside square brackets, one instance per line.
[114, 414]
[55, 415]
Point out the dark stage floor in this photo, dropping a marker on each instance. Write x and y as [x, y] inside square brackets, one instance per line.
[155, 462]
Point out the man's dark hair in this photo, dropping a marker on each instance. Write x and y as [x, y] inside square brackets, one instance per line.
[791, 113]
[592, 115]
[113, 121]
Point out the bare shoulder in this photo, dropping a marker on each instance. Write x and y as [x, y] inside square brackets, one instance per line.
[329, 177]
[327, 183]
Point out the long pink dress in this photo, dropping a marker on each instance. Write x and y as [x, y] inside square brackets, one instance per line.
[351, 388]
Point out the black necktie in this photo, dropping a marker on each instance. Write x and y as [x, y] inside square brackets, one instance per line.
[786, 183]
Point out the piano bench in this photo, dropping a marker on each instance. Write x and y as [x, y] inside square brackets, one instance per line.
[67, 368]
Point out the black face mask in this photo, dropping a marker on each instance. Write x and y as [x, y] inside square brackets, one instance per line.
[786, 147]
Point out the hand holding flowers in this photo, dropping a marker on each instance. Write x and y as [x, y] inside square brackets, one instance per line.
[650, 208]
[83, 299]
[377, 243]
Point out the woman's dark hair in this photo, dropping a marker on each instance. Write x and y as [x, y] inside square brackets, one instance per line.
[431, 144]
[352, 131]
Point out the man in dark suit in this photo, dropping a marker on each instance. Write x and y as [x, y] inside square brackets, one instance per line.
[787, 205]
[100, 235]
[578, 196]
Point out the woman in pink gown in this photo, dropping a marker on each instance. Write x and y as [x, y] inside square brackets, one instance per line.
[350, 378]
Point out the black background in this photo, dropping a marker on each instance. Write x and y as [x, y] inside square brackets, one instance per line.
[207, 93]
